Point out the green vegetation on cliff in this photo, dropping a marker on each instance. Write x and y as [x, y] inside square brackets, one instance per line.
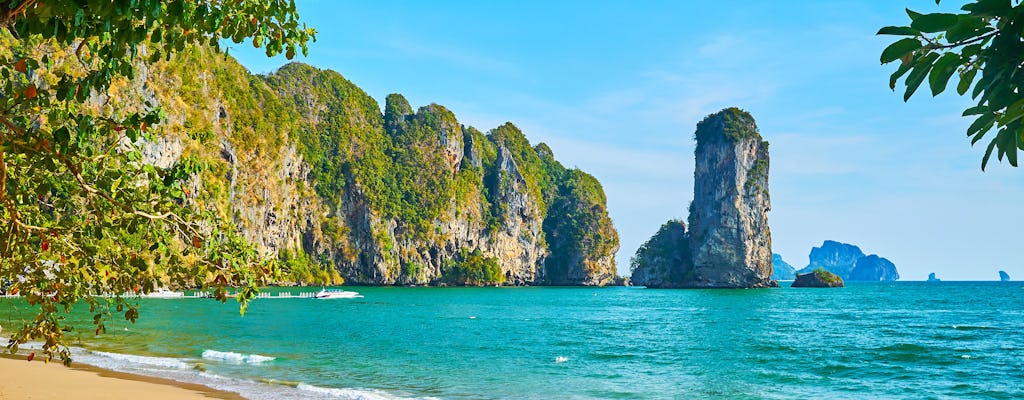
[383, 188]
[738, 124]
[664, 260]
[472, 268]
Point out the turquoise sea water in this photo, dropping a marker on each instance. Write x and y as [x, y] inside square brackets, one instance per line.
[877, 340]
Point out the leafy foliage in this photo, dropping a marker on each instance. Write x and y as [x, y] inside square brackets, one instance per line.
[987, 39]
[828, 277]
[472, 268]
[297, 268]
[84, 218]
[578, 228]
[735, 123]
[666, 254]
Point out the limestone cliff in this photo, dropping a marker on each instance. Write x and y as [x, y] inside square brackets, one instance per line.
[728, 244]
[312, 173]
[729, 236]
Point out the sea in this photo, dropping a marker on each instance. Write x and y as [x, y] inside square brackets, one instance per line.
[898, 340]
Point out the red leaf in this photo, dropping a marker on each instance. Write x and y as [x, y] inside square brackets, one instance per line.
[31, 355]
[45, 245]
[30, 92]
[21, 66]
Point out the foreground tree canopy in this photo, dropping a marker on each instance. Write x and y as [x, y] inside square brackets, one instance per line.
[83, 219]
[985, 39]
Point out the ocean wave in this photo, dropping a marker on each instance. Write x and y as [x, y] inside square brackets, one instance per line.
[184, 370]
[237, 358]
[165, 362]
[350, 394]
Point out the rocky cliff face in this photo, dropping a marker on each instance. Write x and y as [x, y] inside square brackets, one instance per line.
[729, 236]
[873, 268]
[781, 270]
[728, 244]
[664, 260]
[311, 172]
[850, 263]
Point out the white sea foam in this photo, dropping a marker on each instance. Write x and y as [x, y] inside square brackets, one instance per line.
[349, 394]
[183, 370]
[237, 358]
[174, 363]
[561, 359]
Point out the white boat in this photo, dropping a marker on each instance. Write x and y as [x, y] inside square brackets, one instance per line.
[325, 294]
[163, 293]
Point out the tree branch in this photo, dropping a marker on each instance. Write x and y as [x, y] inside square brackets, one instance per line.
[935, 46]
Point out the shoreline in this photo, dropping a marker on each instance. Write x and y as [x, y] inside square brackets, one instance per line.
[40, 380]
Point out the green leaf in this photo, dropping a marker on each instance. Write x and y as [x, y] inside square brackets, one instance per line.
[988, 8]
[904, 67]
[898, 49]
[1013, 113]
[912, 14]
[935, 22]
[982, 124]
[967, 27]
[988, 154]
[942, 71]
[966, 79]
[1007, 144]
[898, 30]
[975, 110]
[918, 74]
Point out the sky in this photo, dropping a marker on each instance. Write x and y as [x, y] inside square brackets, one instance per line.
[616, 88]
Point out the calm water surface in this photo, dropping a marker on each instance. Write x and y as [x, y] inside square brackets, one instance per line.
[878, 340]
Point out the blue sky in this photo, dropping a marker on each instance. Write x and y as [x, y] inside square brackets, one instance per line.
[616, 88]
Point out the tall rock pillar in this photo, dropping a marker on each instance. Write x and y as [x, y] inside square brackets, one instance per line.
[730, 242]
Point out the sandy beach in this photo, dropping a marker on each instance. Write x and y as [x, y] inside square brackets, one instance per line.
[23, 380]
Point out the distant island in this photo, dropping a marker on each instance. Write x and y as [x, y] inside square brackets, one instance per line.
[932, 278]
[1003, 276]
[849, 263]
[781, 270]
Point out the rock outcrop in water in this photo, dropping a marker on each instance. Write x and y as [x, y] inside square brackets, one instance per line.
[1003, 276]
[728, 240]
[781, 270]
[932, 278]
[850, 263]
[819, 278]
[311, 172]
